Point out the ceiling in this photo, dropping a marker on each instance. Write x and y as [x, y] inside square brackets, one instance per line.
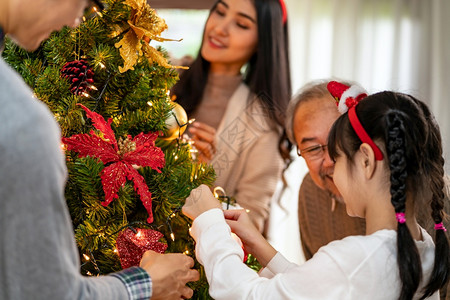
[189, 4]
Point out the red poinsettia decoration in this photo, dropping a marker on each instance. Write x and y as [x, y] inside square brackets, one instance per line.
[120, 157]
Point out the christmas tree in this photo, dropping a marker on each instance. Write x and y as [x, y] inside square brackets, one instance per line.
[130, 169]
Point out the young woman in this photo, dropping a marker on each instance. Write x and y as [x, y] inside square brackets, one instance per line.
[388, 153]
[237, 90]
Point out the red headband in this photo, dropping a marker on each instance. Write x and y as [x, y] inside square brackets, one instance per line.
[362, 134]
[347, 98]
[284, 11]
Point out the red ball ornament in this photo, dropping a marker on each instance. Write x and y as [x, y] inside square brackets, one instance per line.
[79, 75]
[131, 245]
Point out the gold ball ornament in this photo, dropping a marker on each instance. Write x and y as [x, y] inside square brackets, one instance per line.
[176, 123]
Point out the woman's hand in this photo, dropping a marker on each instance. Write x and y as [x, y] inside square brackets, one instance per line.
[200, 200]
[252, 239]
[204, 141]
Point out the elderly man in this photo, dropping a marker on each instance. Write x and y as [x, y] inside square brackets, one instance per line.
[321, 211]
[39, 259]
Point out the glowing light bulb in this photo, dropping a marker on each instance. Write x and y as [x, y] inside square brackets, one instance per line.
[139, 234]
[97, 11]
[86, 257]
[172, 236]
[186, 252]
[150, 103]
[101, 65]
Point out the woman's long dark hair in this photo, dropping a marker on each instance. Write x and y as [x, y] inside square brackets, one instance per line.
[406, 129]
[267, 73]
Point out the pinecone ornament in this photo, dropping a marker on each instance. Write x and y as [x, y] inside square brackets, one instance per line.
[79, 75]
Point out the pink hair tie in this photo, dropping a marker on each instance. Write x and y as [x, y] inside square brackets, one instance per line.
[400, 217]
[284, 11]
[439, 226]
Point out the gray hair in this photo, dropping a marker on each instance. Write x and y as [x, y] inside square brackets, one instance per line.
[312, 90]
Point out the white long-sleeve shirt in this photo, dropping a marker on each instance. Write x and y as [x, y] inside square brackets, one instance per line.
[357, 267]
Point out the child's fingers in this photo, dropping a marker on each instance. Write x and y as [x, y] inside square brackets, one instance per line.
[233, 214]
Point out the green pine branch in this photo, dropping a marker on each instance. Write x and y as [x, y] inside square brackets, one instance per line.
[136, 101]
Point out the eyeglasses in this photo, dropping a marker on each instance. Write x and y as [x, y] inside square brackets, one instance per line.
[313, 152]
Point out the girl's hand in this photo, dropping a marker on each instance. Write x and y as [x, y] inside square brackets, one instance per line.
[243, 227]
[204, 140]
[252, 239]
[200, 200]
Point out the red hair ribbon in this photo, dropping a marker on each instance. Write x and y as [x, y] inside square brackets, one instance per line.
[362, 134]
[284, 11]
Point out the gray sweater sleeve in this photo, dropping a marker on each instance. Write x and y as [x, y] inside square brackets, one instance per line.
[38, 255]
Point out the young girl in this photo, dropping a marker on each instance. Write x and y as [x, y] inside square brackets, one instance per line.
[237, 90]
[387, 151]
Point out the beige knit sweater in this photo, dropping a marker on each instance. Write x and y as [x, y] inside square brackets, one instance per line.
[247, 161]
[217, 94]
[322, 219]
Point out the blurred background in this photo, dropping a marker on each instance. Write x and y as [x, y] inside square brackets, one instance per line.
[401, 45]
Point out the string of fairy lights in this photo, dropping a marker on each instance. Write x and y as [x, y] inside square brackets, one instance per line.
[89, 257]
[181, 139]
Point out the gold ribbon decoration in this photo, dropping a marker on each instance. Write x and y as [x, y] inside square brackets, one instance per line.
[144, 25]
